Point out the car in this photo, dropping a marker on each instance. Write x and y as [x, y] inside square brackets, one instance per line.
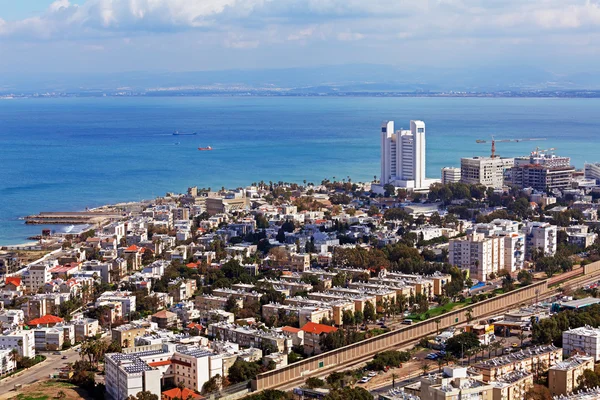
[364, 379]
[372, 374]
[56, 353]
[407, 322]
[515, 345]
[431, 356]
[64, 357]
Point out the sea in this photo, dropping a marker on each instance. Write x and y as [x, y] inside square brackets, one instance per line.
[69, 154]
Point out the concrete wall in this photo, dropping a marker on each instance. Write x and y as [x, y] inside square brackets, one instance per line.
[395, 338]
[591, 268]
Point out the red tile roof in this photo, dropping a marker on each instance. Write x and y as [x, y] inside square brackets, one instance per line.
[192, 265]
[184, 393]
[133, 247]
[312, 327]
[290, 329]
[14, 280]
[46, 320]
[193, 325]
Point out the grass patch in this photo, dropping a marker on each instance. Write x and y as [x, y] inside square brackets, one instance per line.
[437, 311]
[33, 396]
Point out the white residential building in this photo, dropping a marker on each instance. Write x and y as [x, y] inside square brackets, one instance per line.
[403, 156]
[23, 341]
[36, 277]
[541, 236]
[477, 253]
[585, 339]
[125, 299]
[484, 170]
[514, 241]
[7, 362]
[143, 368]
[450, 175]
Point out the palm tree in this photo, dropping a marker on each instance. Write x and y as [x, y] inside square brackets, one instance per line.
[425, 368]
[469, 316]
[521, 337]
[394, 376]
[437, 323]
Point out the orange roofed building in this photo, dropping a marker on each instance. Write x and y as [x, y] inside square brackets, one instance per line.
[46, 321]
[313, 333]
[178, 393]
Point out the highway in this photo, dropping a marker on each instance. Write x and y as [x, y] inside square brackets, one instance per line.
[38, 372]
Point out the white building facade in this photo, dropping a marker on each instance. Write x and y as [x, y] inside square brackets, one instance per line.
[585, 339]
[541, 236]
[403, 156]
[485, 170]
[478, 254]
[450, 175]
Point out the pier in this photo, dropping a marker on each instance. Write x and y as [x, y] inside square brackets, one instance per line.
[72, 218]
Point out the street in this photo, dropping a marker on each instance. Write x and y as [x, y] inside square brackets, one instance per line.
[38, 372]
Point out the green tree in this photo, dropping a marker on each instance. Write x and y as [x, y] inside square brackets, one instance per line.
[242, 371]
[144, 395]
[369, 312]
[461, 343]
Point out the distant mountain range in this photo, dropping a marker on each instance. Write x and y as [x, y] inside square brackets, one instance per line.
[361, 78]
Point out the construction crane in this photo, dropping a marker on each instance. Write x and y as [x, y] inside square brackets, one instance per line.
[494, 141]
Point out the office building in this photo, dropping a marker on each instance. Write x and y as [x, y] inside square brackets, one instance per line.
[563, 377]
[584, 340]
[450, 175]
[486, 171]
[403, 156]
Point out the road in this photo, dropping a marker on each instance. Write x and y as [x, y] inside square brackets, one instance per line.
[38, 372]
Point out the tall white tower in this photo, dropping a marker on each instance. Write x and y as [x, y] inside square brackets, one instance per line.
[403, 156]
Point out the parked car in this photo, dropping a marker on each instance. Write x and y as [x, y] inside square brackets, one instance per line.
[372, 374]
[364, 379]
[64, 357]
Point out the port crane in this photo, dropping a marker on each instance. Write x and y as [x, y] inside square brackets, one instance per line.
[494, 141]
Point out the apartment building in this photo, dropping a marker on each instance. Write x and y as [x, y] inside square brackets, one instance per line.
[478, 254]
[247, 336]
[7, 362]
[540, 236]
[85, 328]
[36, 277]
[207, 303]
[454, 383]
[22, 340]
[512, 386]
[531, 359]
[450, 175]
[563, 376]
[126, 334]
[126, 300]
[584, 340]
[313, 333]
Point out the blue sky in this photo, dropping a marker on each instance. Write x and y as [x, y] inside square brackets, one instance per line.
[90, 36]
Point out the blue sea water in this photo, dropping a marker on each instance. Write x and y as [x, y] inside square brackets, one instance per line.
[63, 154]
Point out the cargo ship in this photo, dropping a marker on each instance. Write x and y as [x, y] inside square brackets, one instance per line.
[207, 148]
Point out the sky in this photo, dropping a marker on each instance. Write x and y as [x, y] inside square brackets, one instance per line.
[91, 36]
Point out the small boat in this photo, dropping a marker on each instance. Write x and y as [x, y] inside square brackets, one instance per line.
[207, 148]
[177, 133]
